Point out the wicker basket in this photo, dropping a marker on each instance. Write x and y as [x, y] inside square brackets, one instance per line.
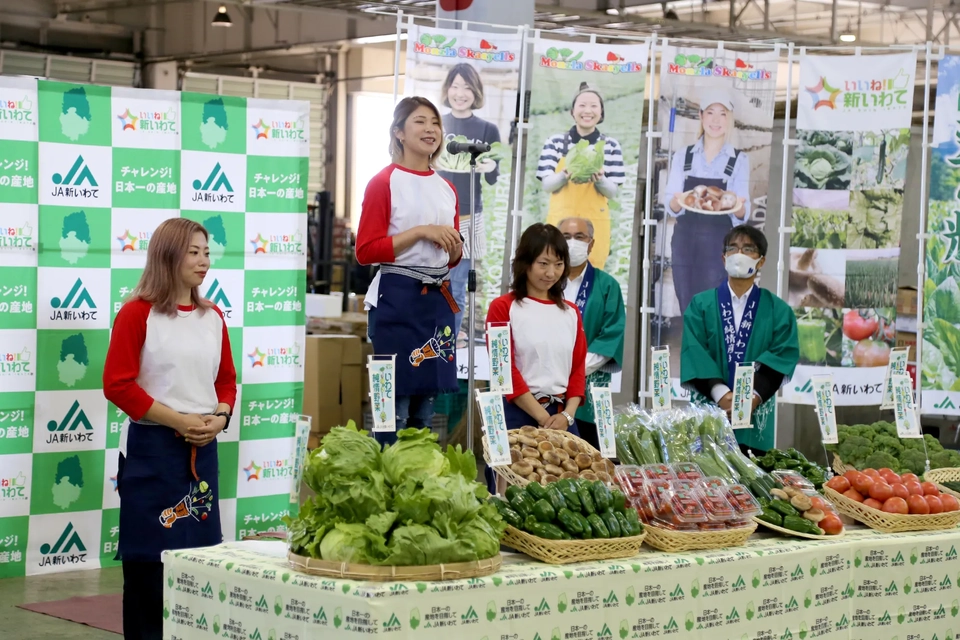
[433, 572]
[891, 522]
[675, 541]
[839, 467]
[512, 477]
[797, 534]
[939, 476]
[567, 551]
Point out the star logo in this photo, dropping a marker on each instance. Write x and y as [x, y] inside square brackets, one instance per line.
[823, 95]
[128, 121]
[257, 357]
[259, 244]
[261, 129]
[252, 471]
[127, 241]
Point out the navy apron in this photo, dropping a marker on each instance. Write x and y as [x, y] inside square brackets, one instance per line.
[415, 317]
[698, 238]
[163, 504]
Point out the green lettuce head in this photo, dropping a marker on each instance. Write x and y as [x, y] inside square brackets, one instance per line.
[415, 456]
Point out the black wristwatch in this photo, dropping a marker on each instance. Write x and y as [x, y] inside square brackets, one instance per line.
[226, 416]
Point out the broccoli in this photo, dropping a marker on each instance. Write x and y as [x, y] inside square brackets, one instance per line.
[914, 461]
[854, 449]
[933, 445]
[887, 444]
[881, 459]
[947, 458]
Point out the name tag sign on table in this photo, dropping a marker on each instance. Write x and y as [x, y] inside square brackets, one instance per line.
[826, 415]
[603, 414]
[908, 426]
[896, 367]
[382, 370]
[299, 455]
[661, 383]
[742, 396]
[494, 427]
[501, 358]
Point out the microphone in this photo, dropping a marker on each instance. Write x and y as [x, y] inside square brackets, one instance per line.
[453, 148]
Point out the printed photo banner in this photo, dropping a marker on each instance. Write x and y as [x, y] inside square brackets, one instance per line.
[940, 351]
[715, 112]
[87, 173]
[473, 79]
[586, 107]
[853, 127]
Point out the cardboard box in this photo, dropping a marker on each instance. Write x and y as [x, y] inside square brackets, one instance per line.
[354, 324]
[907, 301]
[908, 339]
[332, 381]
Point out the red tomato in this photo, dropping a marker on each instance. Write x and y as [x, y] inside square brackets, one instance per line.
[851, 475]
[913, 488]
[896, 505]
[863, 483]
[881, 491]
[856, 327]
[900, 490]
[831, 525]
[949, 503]
[871, 353]
[891, 478]
[918, 506]
[820, 503]
[929, 489]
[934, 503]
[873, 504]
[909, 477]
[884, 471]
[873, 473]
[853, 495]
[839, 484]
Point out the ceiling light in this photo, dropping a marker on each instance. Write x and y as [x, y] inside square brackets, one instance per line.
[848, 37]
[221, 19]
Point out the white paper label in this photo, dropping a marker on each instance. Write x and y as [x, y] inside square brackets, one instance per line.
[742, 396]
[906, 412]
[299, 455]
[603, 418]
[382, 401]
[501, 359]
[660, 379]
[827, 416]
[494, 427]
[896, 367]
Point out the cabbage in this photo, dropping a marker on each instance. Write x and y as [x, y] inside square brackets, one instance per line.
[584, 160]
[416, 455]
[355, 543]
[345, 451]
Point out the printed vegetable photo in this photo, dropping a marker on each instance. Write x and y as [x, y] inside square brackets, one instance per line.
[846, 337]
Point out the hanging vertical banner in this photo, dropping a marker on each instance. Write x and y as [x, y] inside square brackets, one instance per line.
[826, 414]
[896, 367]
[603, 414]
[299, 456]
[940, 351]
[382, 400]
[494, 427]
[715, 114]
[660, 379]
[473, 79]
[500, 352]
[908, 423]
[87, 174]
[853, 127]
[742, 396]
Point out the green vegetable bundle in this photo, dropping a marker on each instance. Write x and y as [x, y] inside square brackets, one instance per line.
[877, 446]
[569, 509]
[408, 504]
[584, 160]
[793, 460]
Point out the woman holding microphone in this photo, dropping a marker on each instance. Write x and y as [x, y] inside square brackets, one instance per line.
[409, 225]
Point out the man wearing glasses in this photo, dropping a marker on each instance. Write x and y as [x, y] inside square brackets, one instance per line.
[598, 297]
[737, 323]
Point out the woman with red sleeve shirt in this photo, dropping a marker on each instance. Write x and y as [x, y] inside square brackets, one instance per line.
[408, 224]
[548, 343]
[169, 367]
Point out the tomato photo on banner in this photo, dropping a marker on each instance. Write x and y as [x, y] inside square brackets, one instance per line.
[853, 128]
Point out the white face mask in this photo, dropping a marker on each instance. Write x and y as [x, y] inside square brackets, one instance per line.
[578, 252]
[739, 265]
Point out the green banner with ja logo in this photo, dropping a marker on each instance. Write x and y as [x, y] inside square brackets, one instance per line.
[87, 173]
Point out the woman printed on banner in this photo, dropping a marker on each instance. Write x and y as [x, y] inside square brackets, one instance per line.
[169, 367]
[710, 163]
[410, 226]
[463, 93]
[581, 196]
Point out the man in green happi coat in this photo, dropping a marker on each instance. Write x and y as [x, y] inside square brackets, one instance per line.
[738, 323]
[600, 301]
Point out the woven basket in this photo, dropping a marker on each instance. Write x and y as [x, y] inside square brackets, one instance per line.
[675, 541]
[433, 572]
[939, 476]
[797, 534]
[513, 477]
[891, 522]
[567, 551]
[839, 467]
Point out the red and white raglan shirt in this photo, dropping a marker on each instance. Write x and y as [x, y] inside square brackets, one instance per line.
[183, 362]
[548, 344]
[397, 200]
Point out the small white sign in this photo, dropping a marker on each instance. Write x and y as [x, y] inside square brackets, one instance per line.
[823, 392]
[382, 400]
[603, 417]
[908, 426]
[896, 367]
[660, 382]
[742, 396]
[299, 455]
[501, 358]
[494, 427]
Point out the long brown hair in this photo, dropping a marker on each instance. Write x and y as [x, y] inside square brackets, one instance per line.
[159, 283]
[400, 114]
[535, 240]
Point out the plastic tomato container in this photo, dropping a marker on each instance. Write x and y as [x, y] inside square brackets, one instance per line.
[742, 501]
[687, 471]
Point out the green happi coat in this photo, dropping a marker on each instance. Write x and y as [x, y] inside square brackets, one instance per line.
[604, 323]
[773, 343]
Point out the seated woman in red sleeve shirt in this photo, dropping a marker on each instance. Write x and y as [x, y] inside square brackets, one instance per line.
[169, 367]
[549, 346]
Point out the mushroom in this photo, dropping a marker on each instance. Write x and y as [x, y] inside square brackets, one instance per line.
[801, 502]
[814, 515]
[522, 468]
[780, 494]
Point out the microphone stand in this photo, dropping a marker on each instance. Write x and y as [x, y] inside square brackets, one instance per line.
[471, 298]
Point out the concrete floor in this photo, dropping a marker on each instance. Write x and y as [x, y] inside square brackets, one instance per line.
[18, 623]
